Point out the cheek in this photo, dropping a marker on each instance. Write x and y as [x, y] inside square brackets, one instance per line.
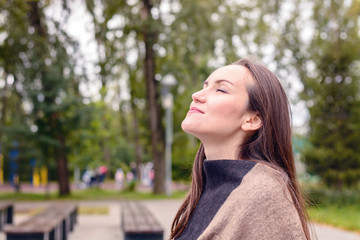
[229, 116]
[229, 111]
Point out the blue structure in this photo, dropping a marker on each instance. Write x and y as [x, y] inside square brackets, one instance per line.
[32, 164]
[14, 166]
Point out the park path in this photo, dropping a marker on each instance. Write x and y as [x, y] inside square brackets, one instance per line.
[107, 226]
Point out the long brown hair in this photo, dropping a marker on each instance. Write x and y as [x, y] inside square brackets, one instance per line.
[270, 144]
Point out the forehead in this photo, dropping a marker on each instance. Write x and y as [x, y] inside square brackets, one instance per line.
[236, 74]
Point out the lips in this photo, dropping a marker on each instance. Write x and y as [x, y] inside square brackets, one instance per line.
[195, 110]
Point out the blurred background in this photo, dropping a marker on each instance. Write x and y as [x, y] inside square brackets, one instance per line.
[92, 93]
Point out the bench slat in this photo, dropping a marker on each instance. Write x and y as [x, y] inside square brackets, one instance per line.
[45, 221]
[137, 221]
[5, 205]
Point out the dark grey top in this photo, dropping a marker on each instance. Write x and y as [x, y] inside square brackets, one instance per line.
[221, 178]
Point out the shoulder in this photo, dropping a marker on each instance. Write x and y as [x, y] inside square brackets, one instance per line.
[264, 181]
[266, 199]
[259, 208]
[262, 188]
[261, 172]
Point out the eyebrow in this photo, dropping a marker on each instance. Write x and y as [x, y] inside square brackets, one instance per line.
[219, 81]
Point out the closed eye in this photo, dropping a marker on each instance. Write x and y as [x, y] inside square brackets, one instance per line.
[205, 84]
[221, 90]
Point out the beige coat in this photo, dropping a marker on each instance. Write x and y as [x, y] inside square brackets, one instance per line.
[260, 208]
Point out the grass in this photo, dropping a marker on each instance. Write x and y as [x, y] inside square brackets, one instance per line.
[339, 208]
[89, 210]
[89, 194]
[345, 217]
[26, 196]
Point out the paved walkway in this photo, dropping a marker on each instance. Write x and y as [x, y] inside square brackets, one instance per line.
[107, 226]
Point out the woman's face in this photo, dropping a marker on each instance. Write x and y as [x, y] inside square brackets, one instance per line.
[218, 111]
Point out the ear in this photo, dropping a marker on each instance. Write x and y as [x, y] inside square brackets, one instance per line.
[252, 122]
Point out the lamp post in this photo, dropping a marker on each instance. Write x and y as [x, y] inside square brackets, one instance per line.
[168, 81]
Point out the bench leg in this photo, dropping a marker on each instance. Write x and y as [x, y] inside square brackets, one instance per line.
[51, 235]
[149, 236]
[68, 224]
[2, 219]
[64, 229]
[55, 234]
[9, 218]
[73, 220]
[35, 236]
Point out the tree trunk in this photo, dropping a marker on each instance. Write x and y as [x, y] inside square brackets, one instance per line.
[157, 135]
[3, 103]
[138, 151]
[107, 157]
[62, 168]
[123, 123]
[3, 109]
[60, 152]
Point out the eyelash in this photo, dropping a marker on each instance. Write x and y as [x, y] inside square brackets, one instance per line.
[220, 90]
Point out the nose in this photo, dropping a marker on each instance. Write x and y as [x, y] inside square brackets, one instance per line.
[199, 97]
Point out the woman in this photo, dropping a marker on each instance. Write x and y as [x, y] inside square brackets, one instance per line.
[243, 181]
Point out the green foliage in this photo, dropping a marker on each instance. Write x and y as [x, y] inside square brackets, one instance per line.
[185, 148]
[27, 196]
[131, 186]
[327, 64]
[44, 101]
[44, 83]
[85, 150]
[334, 94]
[322, 196]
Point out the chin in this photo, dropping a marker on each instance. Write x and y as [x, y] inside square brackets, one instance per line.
[185, 127]
[191, 130]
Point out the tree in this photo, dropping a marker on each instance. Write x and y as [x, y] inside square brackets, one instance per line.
[138, 42]
[150, 34]
[44, 79]
[328, 66]
[138, 27]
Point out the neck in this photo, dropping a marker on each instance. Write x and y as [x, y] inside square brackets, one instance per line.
[223, 147]
[216, 151]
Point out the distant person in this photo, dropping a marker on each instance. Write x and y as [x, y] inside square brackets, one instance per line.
[151, 176]
[86, 177]
[119, 178]
[93, 178]
[129, 177]
[102, 170]
[133, 170]
[243, 180]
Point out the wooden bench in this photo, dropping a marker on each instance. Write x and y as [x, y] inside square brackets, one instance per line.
[53, 223]
[138, 223]
[6, 214]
